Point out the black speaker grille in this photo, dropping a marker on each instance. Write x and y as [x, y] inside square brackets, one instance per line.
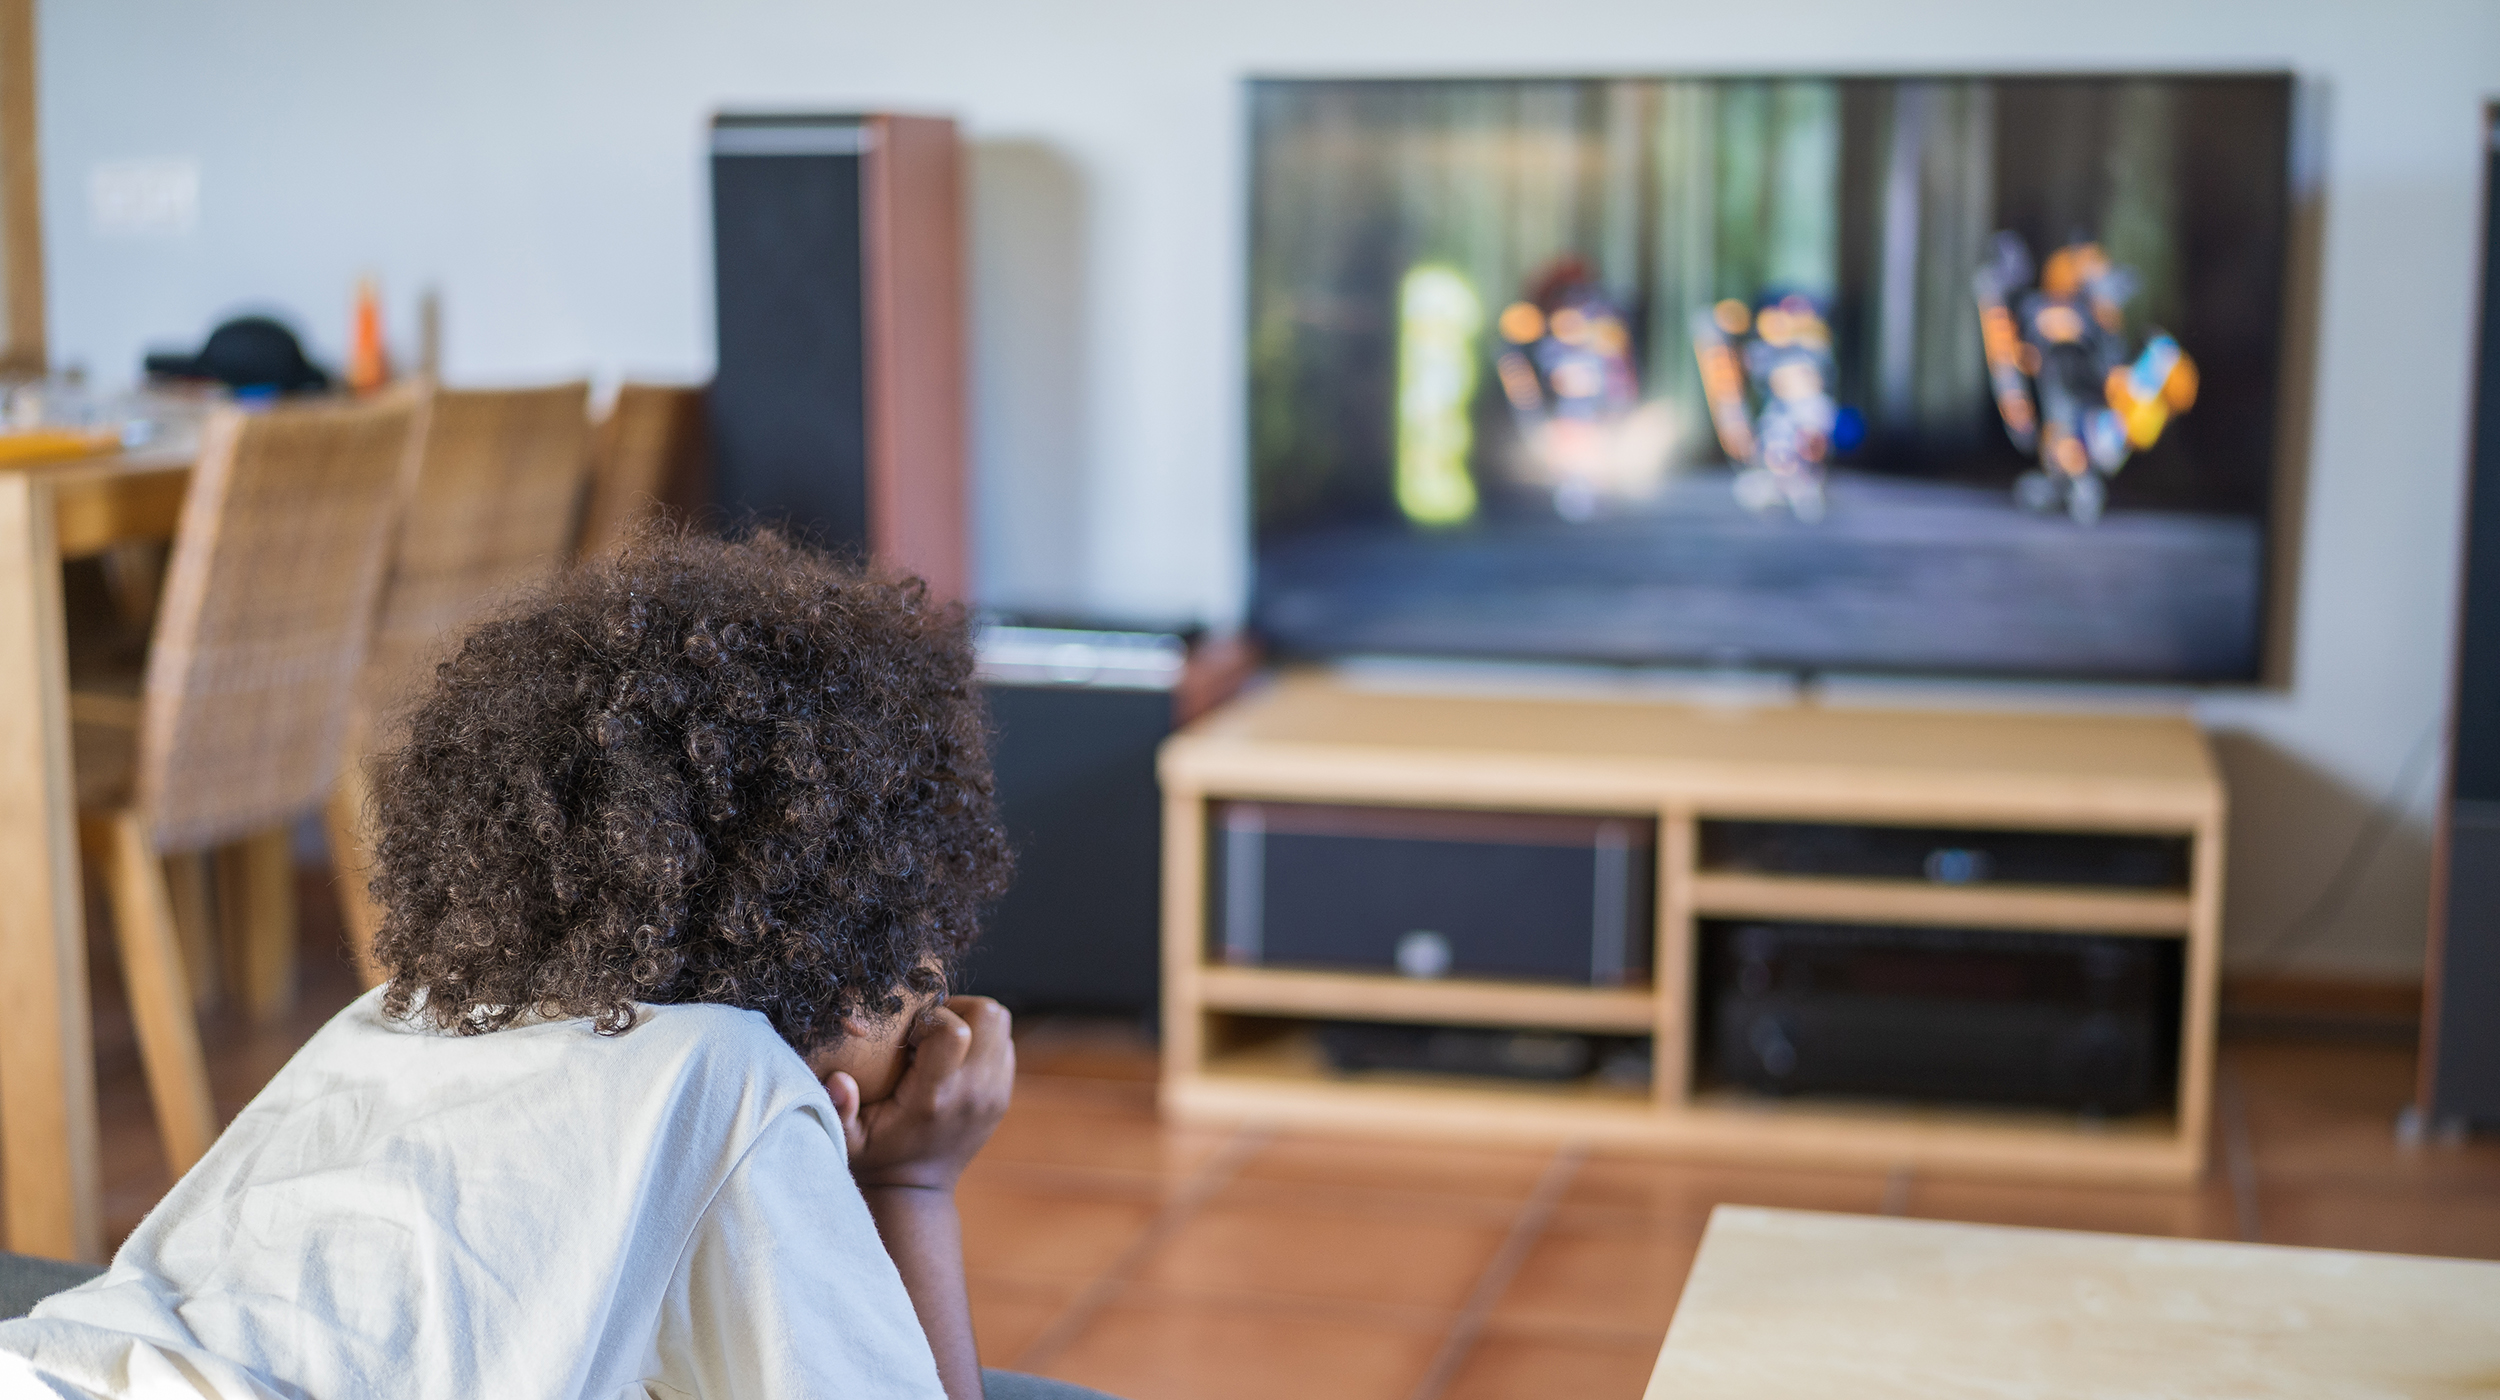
[789, 409]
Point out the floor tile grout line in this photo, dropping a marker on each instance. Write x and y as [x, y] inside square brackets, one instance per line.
[1570, 1334]
[1094, 1181]
[1412, 1316]
[2239, 1153]
[1534, 1214]
[1201, 1185]
[1379, 1200]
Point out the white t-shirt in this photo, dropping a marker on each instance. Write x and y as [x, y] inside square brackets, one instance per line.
[537, 1212]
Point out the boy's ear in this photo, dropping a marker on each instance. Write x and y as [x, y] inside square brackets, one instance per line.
[844, 1091]
[859, 1037]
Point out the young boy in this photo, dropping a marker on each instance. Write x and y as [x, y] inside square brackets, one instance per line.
[664, 1095]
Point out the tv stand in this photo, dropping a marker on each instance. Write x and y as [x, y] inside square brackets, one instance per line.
[1241, 1043]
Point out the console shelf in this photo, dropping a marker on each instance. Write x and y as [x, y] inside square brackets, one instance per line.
[1366, 997]
[1239, 1042]
[1288, 1083]
[2042, 907]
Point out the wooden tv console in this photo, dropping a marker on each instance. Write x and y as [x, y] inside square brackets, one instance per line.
[1237, 1042]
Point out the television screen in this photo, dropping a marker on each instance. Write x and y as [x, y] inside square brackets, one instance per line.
[1965, 375]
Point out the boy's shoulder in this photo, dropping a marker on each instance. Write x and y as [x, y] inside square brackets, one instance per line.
[656, 1028]
[701, 1052]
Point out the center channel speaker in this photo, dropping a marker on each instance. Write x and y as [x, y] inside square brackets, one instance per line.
[837, 409]
[1434, 893]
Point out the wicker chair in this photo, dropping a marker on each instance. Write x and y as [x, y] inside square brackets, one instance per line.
[644, 457]
[498, 483]
[235, 734]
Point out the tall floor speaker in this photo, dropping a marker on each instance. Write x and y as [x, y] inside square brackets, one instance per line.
[2461, 1022]
[837, 409]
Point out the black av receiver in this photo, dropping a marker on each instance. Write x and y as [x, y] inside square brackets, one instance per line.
[2082, 1022]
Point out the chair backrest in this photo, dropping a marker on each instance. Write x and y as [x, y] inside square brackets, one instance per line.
[641, 457]
[498, 480]
[268, 605]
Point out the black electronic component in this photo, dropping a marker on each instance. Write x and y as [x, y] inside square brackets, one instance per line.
[1527, 896]
[1480, 1051]
[1075, 718]
[1978, 1016]
[1946, 855]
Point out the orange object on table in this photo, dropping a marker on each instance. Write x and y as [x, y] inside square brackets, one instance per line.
[368, 364]
[55, 444]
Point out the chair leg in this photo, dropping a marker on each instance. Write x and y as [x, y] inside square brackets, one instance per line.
[134, 573]
[160, 996]
[351, 867]
[256, 889]
[195, 924]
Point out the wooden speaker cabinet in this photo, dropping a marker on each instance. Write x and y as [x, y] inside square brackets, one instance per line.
[838, 406]
[2016, 915]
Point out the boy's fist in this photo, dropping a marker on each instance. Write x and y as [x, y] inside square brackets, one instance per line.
[952, 1094]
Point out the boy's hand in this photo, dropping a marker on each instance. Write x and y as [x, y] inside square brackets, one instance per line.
[961, 1076]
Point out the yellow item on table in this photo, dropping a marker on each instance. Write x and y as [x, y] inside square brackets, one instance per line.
[27, 446]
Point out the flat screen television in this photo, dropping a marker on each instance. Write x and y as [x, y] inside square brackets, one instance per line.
[1968, 375]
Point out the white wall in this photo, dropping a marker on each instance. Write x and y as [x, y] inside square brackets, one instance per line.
[540, 164]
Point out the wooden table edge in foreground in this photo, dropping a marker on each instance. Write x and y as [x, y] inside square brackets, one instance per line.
[50, 1170]
[1788, 1303]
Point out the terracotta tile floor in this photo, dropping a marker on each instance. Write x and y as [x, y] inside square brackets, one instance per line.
[1169, 1263]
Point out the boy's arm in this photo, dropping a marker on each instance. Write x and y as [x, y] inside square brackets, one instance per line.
[925, 1236]
[777, 1294]
[907, 1153]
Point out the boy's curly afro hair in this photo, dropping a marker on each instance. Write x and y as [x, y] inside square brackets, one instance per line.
[695, 771]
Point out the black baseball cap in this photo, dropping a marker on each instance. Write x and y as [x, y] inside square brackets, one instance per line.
[248, 352]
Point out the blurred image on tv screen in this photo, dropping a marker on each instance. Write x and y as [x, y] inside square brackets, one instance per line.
[1961, 375]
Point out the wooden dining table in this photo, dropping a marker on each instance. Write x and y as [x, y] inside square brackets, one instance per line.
[51, 1178]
